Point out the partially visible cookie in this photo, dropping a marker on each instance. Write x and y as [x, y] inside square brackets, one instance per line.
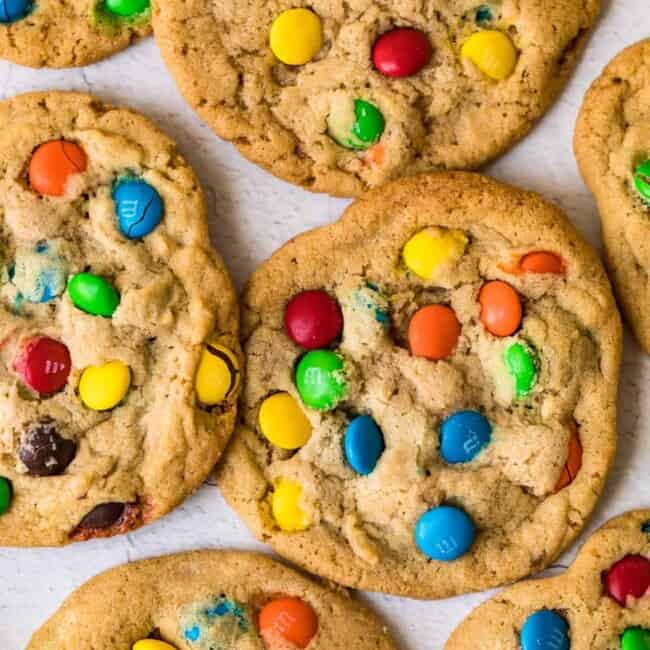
[65, 33]
[612, 145]
[119, 353]
[341, 97]
[209, 600]
[602, 602]
[431, 390]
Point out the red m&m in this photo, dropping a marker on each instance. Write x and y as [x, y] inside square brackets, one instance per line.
[313, 319]
[53, 163]
[628, 578]
[44, 365]
[401, 52]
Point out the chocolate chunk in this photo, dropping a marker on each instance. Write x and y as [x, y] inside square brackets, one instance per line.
[44, 451]
[103, 516]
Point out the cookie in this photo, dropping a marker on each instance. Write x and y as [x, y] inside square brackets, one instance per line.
[63, 33]
[119, 355]
[341, 97]
[209, 600]
[600, 603]
[612, 145]
[431, 388]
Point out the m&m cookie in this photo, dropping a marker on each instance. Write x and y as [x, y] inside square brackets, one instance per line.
[120, 365]
[430, 389]
[210, 600]
[612, 146]
[341, 97]
[601, 602]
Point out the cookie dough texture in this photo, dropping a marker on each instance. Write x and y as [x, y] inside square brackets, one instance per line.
[362, 530]
[157, 446]
[66, 33]
[126, 604]
[596, 620]
[449, 116]
[613, 137]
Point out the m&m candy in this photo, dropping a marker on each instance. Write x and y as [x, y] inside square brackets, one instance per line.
[13, 10]
[492, 52]
[573, 462]
[500, 308]
[635, 638]
[542, 262]
[628, 578]
[401, 52]
[483, 14]
[44, 451]
[5, 494]
[521, 363]
[463, 435]
[320, 379]
[217, 376]
[296, 36]
[138, 207]
[39, 273]
[52, 165]
[356, 125]
[286, 508]
[313, 319]
[363, 444]
[433, 332]
[432, 248]
[152, 644]
[445, 533]
[44, 365]
[126, 8]
[283, 423]
[545, 630]
[642, 179]
[102, 388]
[93, 294]
[291, 619]
[646, 527]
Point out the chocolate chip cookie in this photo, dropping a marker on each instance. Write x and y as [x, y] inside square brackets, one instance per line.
[119, 359]
[342, 96]
[612, 145]
[431, 390]
[600, 603]
[209, 600]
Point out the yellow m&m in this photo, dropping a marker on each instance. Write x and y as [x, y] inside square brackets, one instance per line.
[283, 422]
[492, 52]
[296, 36]
[152, 644]
[285, 505]
[103, 387]
[218, 374]
[432, 248]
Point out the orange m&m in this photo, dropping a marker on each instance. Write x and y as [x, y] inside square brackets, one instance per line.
[573, 461]
[433, 332]
[53, 163]
[289, 618]
[500, 308]
[542, 262]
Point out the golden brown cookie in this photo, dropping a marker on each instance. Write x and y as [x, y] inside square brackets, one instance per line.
[119, 358]
[209, 600]
[600, 603]
[612, 145]
[431, 390]
[342, 96]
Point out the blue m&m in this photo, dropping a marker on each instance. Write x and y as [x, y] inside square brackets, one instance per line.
[545, 630]
[463, 435]
[364, 444]
[445, 533]
[138, 207]
[13, 10]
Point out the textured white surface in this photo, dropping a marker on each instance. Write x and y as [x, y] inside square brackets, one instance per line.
[251, 215]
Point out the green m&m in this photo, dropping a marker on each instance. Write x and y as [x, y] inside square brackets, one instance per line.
[356, 125]
[93, 294]
[521, 363]
[635, 638]
[5, 495]
[642, 180]
[126, 8]
[320, 378]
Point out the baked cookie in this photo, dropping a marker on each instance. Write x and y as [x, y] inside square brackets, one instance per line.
[612, 145]
[600, 603]
[63, 33]
[119, 360]
[341, 96]
[209, 600]
[431, 389]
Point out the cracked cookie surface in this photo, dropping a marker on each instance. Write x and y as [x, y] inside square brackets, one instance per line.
[210, 600]
[492, 70]
[409, 415]
[612, 144]
[596, 604]
[119, 359]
